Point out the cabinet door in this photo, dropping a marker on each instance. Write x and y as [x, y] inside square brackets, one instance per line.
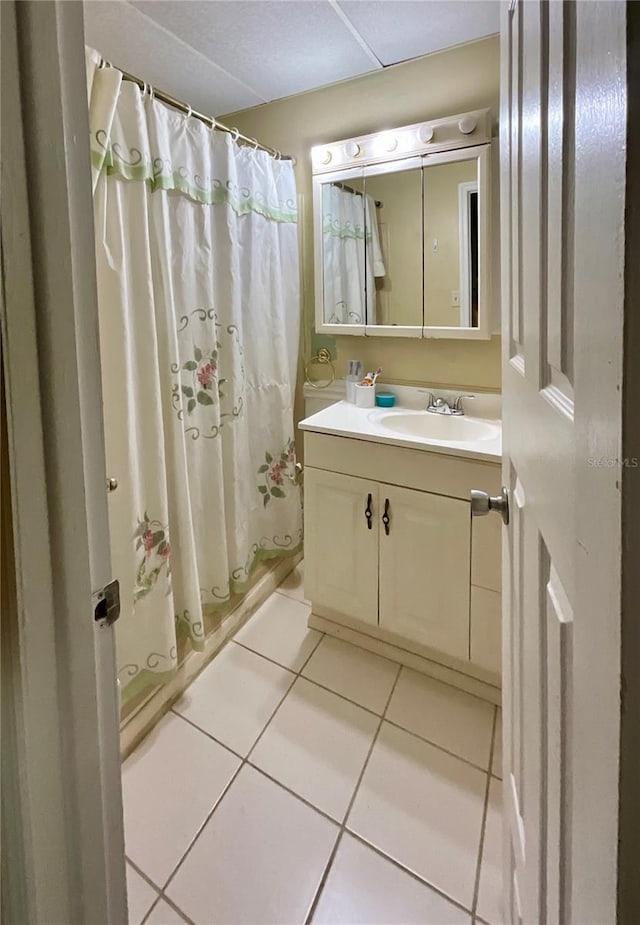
[341, 551]
[424, 569]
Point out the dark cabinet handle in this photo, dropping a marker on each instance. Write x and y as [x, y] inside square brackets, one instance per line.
[368, 513]
[386, 520]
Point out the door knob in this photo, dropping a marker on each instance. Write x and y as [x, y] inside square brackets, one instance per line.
[112, 484]
[482, 503]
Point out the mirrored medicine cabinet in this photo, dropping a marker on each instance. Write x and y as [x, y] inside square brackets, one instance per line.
[402, 231]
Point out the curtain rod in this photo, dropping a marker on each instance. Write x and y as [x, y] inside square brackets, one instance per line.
[208, 120]
[356, 192]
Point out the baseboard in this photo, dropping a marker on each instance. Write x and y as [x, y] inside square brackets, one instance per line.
[141, 721]
[465, 682]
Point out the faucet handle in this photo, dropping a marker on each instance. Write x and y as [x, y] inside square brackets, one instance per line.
[457, 405]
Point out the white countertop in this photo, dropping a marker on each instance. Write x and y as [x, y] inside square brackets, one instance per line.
[344, 419]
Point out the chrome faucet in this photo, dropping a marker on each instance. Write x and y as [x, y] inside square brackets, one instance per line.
[441, 405]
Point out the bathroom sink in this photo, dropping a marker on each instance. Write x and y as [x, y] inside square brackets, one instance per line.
[448, 428]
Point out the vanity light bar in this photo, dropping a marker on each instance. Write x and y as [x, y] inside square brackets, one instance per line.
[467, 128]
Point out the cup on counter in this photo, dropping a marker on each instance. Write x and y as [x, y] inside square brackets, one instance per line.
[365, 395]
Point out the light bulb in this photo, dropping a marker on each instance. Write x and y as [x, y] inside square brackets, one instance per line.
[467, 125]
[425, 133]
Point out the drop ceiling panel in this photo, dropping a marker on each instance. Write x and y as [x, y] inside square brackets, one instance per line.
[130, 40]
[396, 30]
[278, 47]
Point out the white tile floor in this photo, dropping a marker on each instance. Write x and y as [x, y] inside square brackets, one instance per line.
[301, 779]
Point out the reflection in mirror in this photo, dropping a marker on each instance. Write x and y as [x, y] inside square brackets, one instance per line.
[451, 244]
[394, 229]
[343, 246]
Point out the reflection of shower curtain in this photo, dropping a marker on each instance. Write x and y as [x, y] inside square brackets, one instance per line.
[352, 258]
[197, 256]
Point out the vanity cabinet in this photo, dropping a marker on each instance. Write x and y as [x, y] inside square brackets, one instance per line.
[424, 587]
[422, 559]
[403, 573]
[341, 567]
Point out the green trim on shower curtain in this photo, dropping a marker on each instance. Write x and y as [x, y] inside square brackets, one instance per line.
[159, 175]
[241, 587]
[147, 678]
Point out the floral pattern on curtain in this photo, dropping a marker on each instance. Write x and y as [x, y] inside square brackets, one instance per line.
[198, 291]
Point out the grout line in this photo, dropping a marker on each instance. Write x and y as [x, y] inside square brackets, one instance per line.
[169, 902]
[483, 826]
[292, 597]
[375, 848]
[330, 690]
[145, 917]
[202, 827]
[441, 748]
[267, 658]
[342, 826]
[323, 879]
[209, 735]
[301, 799]
[184, 915]
[144, 876]
[299, 674]
[243, 761]
[329, 864]
[406, 870]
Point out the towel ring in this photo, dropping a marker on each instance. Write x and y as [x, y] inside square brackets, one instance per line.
[323, 358]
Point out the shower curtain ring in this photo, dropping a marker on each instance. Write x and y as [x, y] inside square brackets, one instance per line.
[236, 133]
[152, 94]
[256, 143]
[278, 155]
[187, 115]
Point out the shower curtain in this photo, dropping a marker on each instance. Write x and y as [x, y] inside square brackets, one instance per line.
[352, 256]
[199, 306]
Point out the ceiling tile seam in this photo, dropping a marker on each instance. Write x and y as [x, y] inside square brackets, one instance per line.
[371, 55]
[194, 51]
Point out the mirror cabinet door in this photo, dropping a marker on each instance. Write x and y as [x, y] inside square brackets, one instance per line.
[343, 251]
[451, 244]
[393, 205]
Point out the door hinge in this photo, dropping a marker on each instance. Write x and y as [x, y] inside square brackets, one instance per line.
[106, 604]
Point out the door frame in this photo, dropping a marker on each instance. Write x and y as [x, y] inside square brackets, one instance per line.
[63, 792]
[629, 813]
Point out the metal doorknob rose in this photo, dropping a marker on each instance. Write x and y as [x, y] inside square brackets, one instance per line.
[483, 503]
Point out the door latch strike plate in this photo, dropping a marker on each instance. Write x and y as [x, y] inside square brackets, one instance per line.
[106, 604]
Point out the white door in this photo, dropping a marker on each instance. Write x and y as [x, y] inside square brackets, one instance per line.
[341, 543]
[61, 801]
[563, 130]
[425, 549]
